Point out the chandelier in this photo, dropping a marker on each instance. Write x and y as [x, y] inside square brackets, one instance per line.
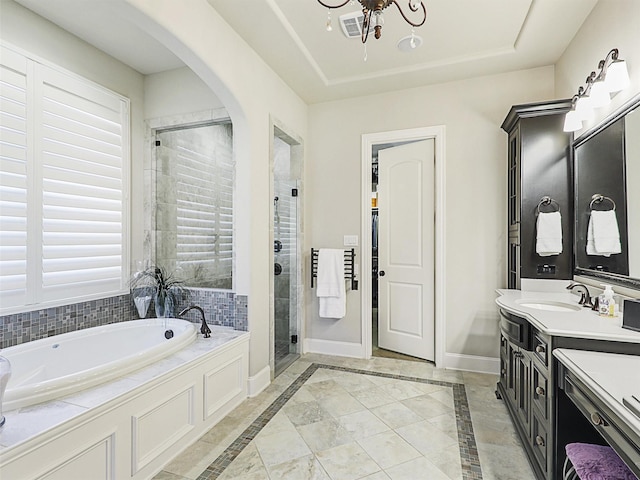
[373, 16]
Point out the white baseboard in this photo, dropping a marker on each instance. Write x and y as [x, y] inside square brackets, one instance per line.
[259, 382]
[471, 363]
[332, 347]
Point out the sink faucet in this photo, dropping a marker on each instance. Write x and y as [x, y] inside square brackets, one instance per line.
[585, 299]
[204, 329]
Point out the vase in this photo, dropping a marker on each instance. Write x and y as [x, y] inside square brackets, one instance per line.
[5, 374]
[159, 301]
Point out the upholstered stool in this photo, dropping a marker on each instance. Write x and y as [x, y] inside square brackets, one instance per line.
[594, 462]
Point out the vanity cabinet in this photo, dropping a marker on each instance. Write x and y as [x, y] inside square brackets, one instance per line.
[538, 166]
[529, 386]
[524, 386]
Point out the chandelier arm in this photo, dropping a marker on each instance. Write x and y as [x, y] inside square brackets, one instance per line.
[366, 22]
[424, 12]
[333, 6]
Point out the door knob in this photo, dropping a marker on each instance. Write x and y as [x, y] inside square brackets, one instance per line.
[382, 274]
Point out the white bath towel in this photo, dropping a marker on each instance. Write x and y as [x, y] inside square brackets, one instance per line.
[331, 290]
[549, 234]
[603, 235]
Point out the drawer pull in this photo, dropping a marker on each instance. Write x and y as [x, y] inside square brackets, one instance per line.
[541, 349]
[540, 391]
[597, 419]
[540, 441]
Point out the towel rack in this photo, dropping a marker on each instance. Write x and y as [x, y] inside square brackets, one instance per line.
[597, 198]
[349, 266]
[547, 200]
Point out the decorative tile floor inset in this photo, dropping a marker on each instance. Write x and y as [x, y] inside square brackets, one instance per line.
[335, 423]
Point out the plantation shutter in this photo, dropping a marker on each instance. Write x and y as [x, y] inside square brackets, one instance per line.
[82, 187]
[14, 180]
[64, 184]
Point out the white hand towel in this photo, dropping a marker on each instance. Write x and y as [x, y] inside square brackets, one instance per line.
[603, 235]
[331, 290]
[549, 234]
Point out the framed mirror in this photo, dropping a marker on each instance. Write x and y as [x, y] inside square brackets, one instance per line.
[607, 199]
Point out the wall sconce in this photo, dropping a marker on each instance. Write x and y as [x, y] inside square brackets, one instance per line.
[610, 79]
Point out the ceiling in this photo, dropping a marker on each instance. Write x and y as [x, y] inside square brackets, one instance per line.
[461, 39]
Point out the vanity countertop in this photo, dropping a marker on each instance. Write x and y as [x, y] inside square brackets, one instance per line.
[611, 377]
[583, 323]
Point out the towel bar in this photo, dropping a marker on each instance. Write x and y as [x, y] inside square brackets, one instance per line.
[547, 201]
[349, 266]
[597, 198]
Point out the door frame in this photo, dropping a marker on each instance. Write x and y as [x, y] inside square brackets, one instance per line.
[437, 133]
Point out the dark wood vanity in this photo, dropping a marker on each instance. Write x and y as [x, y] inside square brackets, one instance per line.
[530, 387]
[551, 407]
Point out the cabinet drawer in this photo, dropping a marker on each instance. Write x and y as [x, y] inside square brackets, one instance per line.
[540, 441]
[516, 329]
[541, 349]
[540, 391]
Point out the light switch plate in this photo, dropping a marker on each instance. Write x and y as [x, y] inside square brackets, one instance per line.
[351, 240]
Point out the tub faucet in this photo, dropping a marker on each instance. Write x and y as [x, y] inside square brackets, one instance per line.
[204, 329]
[585, 299]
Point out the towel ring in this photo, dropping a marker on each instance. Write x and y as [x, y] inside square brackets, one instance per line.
[546, 201]
[597, 198]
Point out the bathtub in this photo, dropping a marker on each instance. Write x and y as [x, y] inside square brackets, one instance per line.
[63, 364]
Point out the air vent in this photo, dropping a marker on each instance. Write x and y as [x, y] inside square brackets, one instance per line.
[351, 24]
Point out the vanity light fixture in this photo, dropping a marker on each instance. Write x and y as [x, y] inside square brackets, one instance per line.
[611, 78]
[372, 11]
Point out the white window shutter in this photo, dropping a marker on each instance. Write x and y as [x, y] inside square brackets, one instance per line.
[82, 188]
[14, 183]
[64, 162]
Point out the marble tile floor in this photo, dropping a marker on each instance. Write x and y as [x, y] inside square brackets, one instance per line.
[333, 418]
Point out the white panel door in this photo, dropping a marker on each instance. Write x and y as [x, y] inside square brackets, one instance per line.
[406, 212]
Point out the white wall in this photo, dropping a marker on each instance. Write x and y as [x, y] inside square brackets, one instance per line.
[24, 29]
[177, 92]
[476, 158]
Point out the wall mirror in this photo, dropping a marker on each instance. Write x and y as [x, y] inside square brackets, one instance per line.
[607, 181]
[194, 181]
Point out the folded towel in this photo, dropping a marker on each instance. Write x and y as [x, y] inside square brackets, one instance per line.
[549, 234]
[603, 235]
[331, 289]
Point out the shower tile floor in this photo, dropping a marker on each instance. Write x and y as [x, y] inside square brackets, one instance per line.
[331, 418]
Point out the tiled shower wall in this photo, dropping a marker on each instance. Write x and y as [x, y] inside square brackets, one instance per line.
[221, 308]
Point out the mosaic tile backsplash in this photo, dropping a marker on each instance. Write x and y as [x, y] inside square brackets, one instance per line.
[221, 308]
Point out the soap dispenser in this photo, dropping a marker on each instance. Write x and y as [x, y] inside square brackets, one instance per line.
[606, 303]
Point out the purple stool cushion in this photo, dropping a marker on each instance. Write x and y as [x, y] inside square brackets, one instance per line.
[597, 462]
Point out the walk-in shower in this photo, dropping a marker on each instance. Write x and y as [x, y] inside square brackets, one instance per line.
[286, 251]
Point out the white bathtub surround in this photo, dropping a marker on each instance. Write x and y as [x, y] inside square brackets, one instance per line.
[63, 364]
[130, 427]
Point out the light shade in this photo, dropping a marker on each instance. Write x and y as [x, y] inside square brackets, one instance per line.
[599, 94]
[584, 108]
[617, 76]
[572, 121]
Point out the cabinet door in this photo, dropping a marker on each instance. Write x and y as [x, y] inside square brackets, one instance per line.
[523, 387]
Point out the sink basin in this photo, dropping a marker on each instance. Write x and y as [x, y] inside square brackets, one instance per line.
[549, 306]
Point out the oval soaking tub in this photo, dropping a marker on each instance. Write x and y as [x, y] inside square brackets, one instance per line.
[63, 364]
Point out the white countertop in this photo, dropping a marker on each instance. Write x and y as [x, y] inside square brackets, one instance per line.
[610, 377]
[584, 323]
